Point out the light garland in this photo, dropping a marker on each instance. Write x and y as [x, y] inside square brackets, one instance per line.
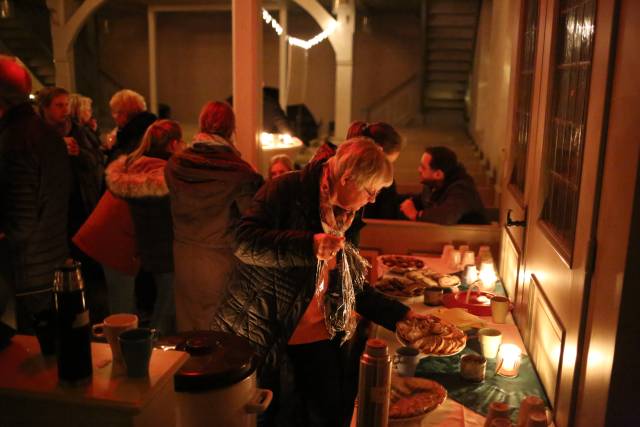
[294, 41]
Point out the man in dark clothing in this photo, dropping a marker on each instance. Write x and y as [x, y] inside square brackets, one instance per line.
[86, 159]
[449, 194]
[34, 197]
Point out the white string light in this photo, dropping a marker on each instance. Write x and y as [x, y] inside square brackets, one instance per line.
[294, 41]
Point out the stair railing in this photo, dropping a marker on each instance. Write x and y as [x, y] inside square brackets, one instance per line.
[398, 106]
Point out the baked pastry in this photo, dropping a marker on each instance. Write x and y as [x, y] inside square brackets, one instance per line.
[402, 261]
[412, 396]
[431, 335]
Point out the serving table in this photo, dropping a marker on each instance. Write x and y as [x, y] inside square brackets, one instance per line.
[30, 394]
[452, 412]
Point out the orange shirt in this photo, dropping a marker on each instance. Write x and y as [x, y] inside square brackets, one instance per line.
[311, 327]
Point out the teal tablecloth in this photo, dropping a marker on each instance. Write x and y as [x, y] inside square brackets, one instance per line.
[478, 396]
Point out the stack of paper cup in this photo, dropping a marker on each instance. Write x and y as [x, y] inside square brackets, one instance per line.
[529, 405]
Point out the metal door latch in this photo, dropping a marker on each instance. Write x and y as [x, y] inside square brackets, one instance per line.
[512, 223]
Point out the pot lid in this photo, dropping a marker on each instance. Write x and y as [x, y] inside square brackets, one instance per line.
[217, 359]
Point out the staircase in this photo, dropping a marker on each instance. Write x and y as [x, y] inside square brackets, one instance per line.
[450, 32]
[26, 34]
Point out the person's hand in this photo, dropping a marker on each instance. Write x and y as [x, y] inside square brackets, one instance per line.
[72, 146]
[409, 209]
[326, 246]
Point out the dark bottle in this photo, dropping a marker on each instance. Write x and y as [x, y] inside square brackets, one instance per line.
[374, 385]
[73, 331]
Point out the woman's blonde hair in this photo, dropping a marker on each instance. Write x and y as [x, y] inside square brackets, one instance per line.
[363, 161]
[128, 101]
[77, 103]
[157, 138]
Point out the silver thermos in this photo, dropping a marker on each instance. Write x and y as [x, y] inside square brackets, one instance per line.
[374, 385]
[73, 331]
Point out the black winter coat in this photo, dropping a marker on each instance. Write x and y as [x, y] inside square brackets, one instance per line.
[128, 138]
[276, 280]
[34, 182]
[143, 186]
[456, 202]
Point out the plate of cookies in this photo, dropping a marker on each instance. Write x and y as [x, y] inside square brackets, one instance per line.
[412, 398]
[431, 335]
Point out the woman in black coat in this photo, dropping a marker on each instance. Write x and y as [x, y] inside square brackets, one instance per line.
[295, 220]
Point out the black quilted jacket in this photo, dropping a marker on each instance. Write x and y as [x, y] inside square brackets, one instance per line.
[35, 175]
[276, 279]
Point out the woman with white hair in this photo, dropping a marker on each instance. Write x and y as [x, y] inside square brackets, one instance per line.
[294, 221]
[129, 111]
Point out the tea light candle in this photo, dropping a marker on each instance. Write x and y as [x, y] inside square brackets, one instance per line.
[471, 275]
[487, 276]
[508, 360]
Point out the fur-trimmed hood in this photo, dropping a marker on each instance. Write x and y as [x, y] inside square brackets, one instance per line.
[144, 178]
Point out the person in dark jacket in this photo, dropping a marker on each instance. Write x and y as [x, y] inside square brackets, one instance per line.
[34, 198]
[129, 111]
[86, 159]
[294, 221]
[386, 204]
[449, 195]
[139, 179]
[210, 187]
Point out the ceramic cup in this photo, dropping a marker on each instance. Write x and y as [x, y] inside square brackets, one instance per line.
[490, 340]
[499, 309]
[406, 360]
[111, 327]
[433, 295]
[137, 345]
[473, 367]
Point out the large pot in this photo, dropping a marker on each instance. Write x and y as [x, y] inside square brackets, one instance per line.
[217, 384]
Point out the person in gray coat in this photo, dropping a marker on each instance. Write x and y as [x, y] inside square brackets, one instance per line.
[210, 186]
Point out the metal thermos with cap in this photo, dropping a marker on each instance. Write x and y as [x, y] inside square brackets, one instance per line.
[374, 385]
[73, 331]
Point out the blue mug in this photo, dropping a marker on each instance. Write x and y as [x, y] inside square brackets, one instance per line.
[136, 346]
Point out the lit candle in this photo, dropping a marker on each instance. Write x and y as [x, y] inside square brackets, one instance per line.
[508, 360]
[487, 276]
[472, 274]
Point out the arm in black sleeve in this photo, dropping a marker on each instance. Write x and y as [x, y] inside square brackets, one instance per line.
[379, 309]
[258, 241]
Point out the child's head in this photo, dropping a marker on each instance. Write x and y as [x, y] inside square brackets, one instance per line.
[280, 163]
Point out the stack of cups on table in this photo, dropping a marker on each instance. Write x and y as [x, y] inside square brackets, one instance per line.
[532, 414]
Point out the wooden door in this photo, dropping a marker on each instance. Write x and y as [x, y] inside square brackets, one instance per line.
[562, 165]
[525, 83]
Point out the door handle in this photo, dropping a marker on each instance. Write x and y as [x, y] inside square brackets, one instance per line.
[512, 223]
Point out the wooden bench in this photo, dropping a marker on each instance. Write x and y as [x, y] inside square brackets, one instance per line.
[410, 237]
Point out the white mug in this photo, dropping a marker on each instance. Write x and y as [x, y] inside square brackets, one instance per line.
[490, 340]
[405, 361]
[499, 309]
[111, 327]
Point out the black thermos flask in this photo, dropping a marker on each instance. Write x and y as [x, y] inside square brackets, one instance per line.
[73, 331]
